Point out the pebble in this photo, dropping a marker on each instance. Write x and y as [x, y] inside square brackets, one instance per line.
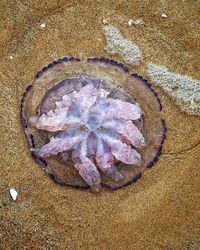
[43, 25]
[13, 194]
[163, 15]
[11, 57]
[105, 21]
[130, 22]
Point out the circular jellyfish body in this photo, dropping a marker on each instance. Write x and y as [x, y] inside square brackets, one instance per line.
[92, 124]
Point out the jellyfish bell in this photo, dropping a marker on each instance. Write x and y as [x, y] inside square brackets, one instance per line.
[92, 124]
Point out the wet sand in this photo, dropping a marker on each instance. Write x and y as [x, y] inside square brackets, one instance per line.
[160, 211]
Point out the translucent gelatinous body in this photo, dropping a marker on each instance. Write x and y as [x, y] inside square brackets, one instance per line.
[91, 123]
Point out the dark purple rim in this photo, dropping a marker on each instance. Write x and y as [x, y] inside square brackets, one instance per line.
[43, 163]
[58, 61]
[108, 61]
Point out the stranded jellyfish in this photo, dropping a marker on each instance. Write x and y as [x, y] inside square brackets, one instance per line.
[91, 123]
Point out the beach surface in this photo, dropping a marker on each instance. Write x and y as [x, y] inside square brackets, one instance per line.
[162, 209]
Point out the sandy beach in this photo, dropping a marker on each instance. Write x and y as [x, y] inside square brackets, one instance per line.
[161, 210]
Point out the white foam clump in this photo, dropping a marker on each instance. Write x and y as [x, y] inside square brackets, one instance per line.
[138, 22]
[182, 88]
[117, 44]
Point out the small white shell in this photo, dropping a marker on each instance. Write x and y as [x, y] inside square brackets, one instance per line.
[13, 194]
[163, 15]
[43, 25]
[130, 22]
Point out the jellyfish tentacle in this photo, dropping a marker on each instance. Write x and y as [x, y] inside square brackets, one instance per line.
[55, 122]
[65, 102]
[58, 145]
[91, 144]
[86, 167]
[86, 97]
[116, 109]
[105, 161]
[127, 129]
[120, 150]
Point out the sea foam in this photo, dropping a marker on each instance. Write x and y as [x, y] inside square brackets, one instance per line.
[182, 88]
[117, 44]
